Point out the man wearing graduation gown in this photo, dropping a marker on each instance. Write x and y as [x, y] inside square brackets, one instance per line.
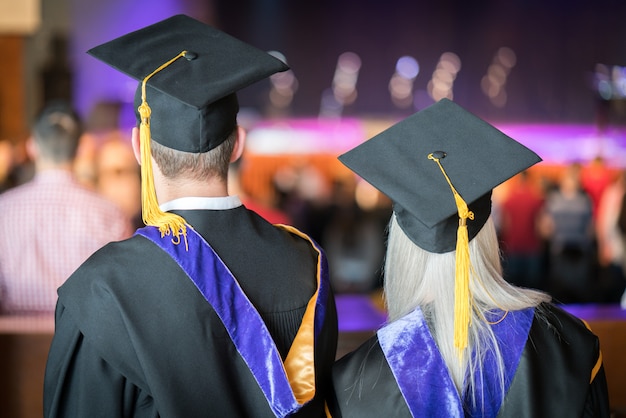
[209, 310]
[460, 340]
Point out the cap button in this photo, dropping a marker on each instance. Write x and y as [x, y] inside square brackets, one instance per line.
[190, 56]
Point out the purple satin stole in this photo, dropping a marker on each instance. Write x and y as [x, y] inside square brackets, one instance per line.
[222, 291]
[423, 378]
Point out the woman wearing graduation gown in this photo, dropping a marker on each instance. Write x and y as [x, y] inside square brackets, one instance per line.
[209, 310]
[460, 341]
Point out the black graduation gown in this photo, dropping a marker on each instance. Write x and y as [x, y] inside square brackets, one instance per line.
[552, 378]
[135, 338]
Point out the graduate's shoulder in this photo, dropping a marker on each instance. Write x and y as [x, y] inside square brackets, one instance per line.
[563, 324]
[121, 263]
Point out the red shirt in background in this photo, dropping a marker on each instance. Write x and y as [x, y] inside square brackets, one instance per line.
[520, 211]
[594, 179]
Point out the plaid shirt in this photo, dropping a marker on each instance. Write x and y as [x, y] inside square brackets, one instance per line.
[48, 227]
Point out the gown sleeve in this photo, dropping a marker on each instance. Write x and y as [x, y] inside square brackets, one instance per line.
[78, 382]
[597, 403]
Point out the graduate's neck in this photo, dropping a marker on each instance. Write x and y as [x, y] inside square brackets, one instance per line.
[168, 189]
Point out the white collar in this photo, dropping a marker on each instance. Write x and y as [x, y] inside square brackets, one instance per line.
[211, 203]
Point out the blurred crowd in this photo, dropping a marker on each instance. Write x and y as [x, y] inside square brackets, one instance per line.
[562, 230]
[563, 234]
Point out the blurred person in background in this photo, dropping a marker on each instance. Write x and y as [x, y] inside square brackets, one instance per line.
[621, 225]
[265, 205]
[611, 255]
[354, 241]
[51, 224]
[118, 177]
[595, 177]
[567, 225]
[522, 245]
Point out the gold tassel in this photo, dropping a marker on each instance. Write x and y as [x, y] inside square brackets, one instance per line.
[151, 213]
[462, 298]
[462, 295]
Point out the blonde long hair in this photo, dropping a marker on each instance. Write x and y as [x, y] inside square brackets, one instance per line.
[417, 278]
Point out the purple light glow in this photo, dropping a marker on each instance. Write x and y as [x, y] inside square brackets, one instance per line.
[563, 143]
[358, 313]
[96, 22]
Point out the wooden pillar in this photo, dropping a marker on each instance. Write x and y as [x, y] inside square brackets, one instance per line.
[13, 119]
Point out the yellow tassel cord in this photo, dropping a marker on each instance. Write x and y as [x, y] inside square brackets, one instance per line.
[462, 296]
[151, 213]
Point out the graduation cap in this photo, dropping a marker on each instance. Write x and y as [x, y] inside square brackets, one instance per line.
[439, 167]
[188, 74]
[193, 99]
[476, 156]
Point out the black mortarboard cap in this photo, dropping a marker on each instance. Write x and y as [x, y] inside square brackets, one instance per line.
[193, 101]
[478, 157]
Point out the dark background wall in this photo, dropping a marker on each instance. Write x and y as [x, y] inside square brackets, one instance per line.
[557, 43]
